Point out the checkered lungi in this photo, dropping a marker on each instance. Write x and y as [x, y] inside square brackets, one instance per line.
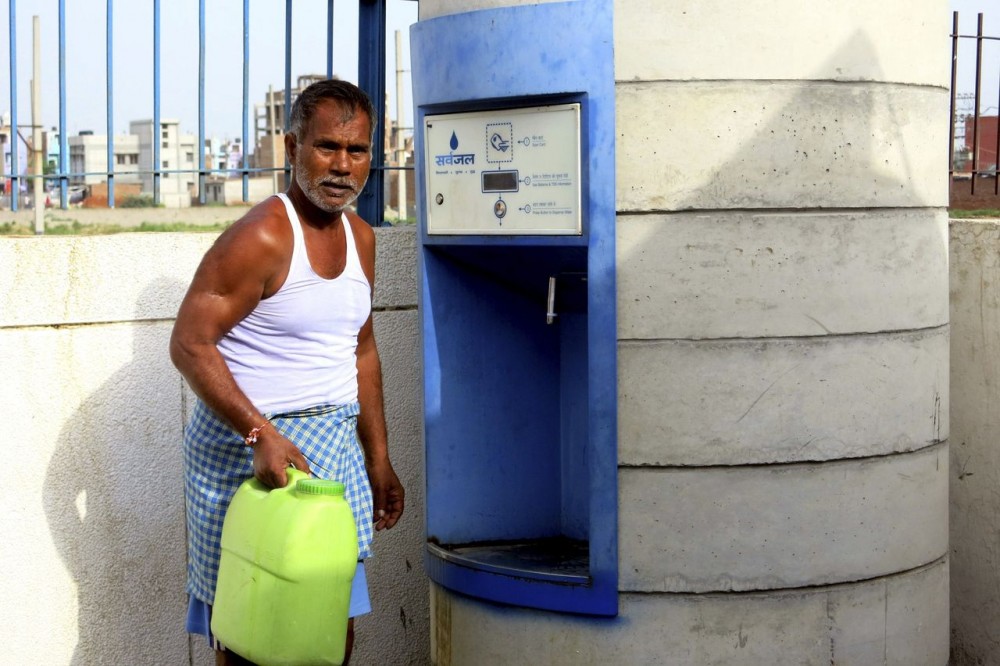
[217, 461]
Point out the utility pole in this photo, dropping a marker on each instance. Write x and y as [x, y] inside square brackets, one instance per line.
[37, 151]
[400, 141]
[272, 136]
[3, 155]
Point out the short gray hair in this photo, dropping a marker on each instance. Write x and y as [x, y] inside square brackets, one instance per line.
[348, 95]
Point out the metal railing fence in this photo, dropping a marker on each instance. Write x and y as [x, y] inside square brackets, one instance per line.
[972, 160]
[371, 78]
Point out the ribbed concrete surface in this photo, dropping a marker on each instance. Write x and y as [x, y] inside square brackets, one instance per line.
[758, 328]
[780, 526]
[847, 40]
[725, 274]
[726, 402]
[891, 621]
[776, 144]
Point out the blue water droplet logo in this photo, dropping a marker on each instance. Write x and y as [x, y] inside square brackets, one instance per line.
[454, 141]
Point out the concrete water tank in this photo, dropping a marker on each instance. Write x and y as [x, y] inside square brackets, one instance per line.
[782, 323]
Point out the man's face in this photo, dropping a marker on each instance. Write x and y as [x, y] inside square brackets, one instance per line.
[333, 155]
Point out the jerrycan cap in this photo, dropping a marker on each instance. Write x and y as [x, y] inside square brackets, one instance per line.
[319, 487]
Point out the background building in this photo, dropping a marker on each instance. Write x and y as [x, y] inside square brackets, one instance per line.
[225, 156]
[269, 124]
[985, 134]
[88, 158]
[177, 152]
[9, 142]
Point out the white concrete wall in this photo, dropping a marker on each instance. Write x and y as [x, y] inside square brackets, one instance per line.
[975, 456]
[782, 263]
[94, 552]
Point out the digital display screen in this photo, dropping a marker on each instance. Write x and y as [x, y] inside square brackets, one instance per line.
[500, 181]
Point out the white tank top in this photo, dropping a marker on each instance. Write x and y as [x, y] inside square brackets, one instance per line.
[298, 348]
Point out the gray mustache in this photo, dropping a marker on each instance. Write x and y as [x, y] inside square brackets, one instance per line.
[340, 183]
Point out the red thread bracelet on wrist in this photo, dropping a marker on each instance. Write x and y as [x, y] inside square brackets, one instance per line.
[251, 437]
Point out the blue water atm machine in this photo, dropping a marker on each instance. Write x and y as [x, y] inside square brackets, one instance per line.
[517, 305]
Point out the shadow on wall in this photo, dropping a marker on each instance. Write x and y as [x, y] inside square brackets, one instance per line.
[113, 498]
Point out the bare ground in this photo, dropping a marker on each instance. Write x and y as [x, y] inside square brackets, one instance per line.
[984, 198]
[962, 198]
[129, 217]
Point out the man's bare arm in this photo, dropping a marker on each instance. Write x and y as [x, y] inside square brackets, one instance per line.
[387, 491]
[240, 269]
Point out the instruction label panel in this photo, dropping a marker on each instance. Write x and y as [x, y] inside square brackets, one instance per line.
[510, 171]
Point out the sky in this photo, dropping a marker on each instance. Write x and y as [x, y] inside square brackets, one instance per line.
[86, 68]
[968, 11]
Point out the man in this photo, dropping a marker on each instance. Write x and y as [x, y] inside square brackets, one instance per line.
[275, 338]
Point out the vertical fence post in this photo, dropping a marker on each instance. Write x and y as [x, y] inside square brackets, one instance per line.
[245, 158]
[996, 149]
[37, 183]
[371, 79]
[201, 102]
[329, 39]
[288, 81]
[951, 115]
[975, 110]
[63, 138]
[157, 132]
[110, 111]
[399, 143]
[15, 183]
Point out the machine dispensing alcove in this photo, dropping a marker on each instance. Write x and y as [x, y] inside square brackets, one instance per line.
[515, 171]
[517, 305]
[520, 470]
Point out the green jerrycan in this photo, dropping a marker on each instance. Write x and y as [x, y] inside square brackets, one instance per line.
[288, 560]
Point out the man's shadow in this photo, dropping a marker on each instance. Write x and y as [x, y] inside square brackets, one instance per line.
[113, 497]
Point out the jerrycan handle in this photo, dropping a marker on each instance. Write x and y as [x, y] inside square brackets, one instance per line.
[294, 476]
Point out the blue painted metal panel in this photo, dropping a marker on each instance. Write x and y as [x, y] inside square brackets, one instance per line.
[371, 79]
[288, 81]
[156, 130]
[201, 102]
[505, 58]
[515, 591]
[499, 378]
[245, 146]
[329, 39]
